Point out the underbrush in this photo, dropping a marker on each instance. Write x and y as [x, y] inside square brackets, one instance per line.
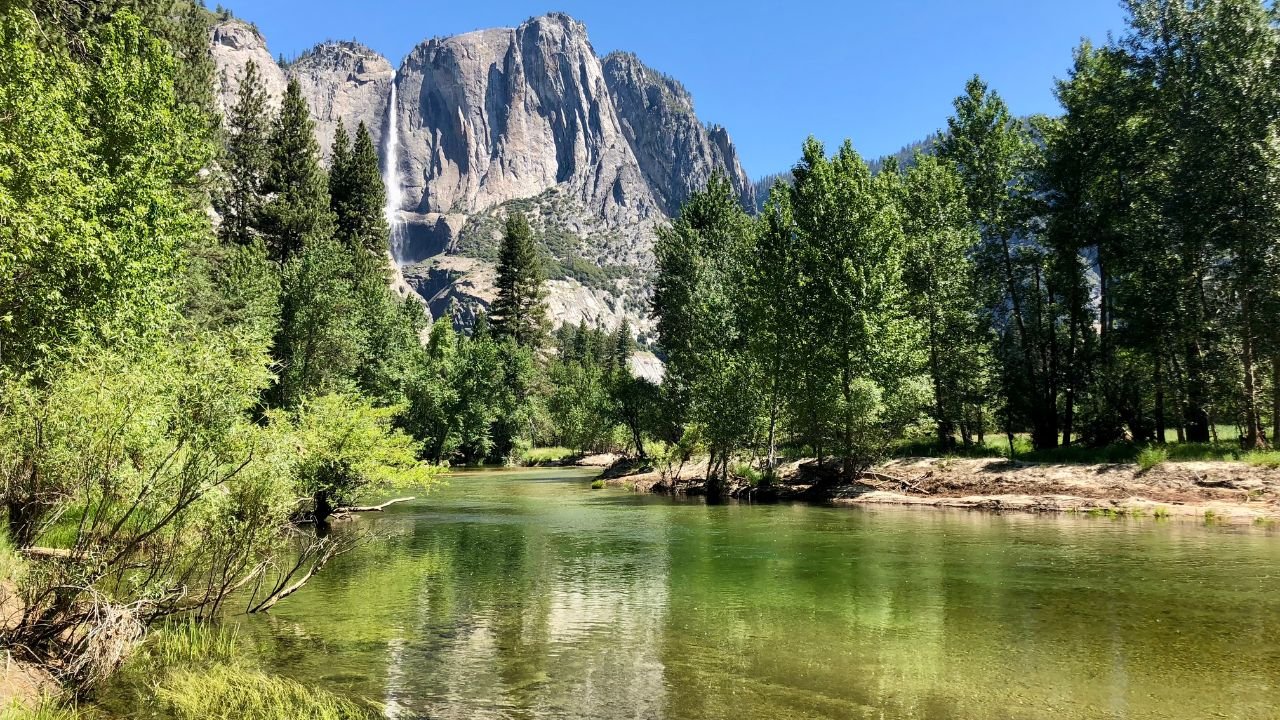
[1151, 457]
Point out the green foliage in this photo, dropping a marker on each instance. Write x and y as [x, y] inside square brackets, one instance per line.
[246, 158]
[709, 374]
[597, 484]
[540, 455]
[940, 280]
[347, 448]
[233, 692]
[519, 312]
[1269, 460]
[1150, 457]
[357, 196]
[297, 215]
[321, 339]
[93, 166]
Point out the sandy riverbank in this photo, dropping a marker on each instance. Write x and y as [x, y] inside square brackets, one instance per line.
[1226, 491]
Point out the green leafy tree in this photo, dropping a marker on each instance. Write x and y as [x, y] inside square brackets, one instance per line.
[772, 289]
[710, 377]
[321, 341]
[347, 448]
[865, 343]
[996, 157]
[939, 277]
[95, 167]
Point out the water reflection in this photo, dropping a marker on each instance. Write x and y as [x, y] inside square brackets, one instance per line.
[526, 595]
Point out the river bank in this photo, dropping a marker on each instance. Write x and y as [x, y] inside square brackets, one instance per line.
[1218, 491]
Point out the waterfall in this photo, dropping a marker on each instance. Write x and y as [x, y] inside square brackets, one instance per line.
[391, 178]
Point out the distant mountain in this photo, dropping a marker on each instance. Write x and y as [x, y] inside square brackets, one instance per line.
[599, 152]
[902, 158]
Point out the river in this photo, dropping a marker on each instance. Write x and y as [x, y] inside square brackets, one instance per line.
[525, 594]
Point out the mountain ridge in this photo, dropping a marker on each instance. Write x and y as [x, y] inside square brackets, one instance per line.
[600, 151]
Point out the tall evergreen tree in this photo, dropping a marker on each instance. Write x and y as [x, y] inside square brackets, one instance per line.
[360, 205]
[519, 312]
[246, 160]
[298, 212]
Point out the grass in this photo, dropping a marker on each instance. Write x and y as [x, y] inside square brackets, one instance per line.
[748, 473]
[1160, 513]
[537, 456]
[1226, 449]
[1269, 460]
[188, 642]
[47, 710]
[231, 692]
[1151, 457]
[597, 484]
[12, 566]
[196, 671]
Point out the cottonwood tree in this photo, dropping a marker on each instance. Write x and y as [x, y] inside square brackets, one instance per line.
[709, 382]
[939, 277]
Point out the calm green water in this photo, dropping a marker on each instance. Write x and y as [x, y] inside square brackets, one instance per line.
[526, 595]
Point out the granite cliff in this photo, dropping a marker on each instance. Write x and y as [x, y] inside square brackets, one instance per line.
[599, 152]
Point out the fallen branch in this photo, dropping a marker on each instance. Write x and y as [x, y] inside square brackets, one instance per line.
[47, 553]
[878, 481]
[370, 508]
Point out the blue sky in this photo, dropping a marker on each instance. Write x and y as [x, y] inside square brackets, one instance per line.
[880, 73]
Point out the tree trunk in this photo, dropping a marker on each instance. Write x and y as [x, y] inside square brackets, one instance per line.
[323, 507]
[1275, 398]
[1253, 425]
[1159, 408]
[1195, 415]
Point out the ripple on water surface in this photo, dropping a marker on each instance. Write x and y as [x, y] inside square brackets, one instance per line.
[524, 594]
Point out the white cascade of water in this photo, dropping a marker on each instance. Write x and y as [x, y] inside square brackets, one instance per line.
[391, 179]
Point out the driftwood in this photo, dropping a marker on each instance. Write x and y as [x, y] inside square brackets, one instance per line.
[370, 508]
[879, 480]
[47, 553]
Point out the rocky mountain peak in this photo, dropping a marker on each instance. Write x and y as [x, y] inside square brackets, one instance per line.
[598, 152]
[233, 43]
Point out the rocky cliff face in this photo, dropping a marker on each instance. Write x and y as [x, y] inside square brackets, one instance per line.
[344, 81]
[499, 115]
[598, 153]
[233, 44]
[340, 80]
[676, 152]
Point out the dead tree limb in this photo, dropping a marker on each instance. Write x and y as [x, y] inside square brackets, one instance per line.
[370, 508]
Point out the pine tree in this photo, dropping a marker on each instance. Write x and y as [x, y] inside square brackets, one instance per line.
[519, 312]
[363, 217]
[621, 345]
[298, 212]
[247, 159]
